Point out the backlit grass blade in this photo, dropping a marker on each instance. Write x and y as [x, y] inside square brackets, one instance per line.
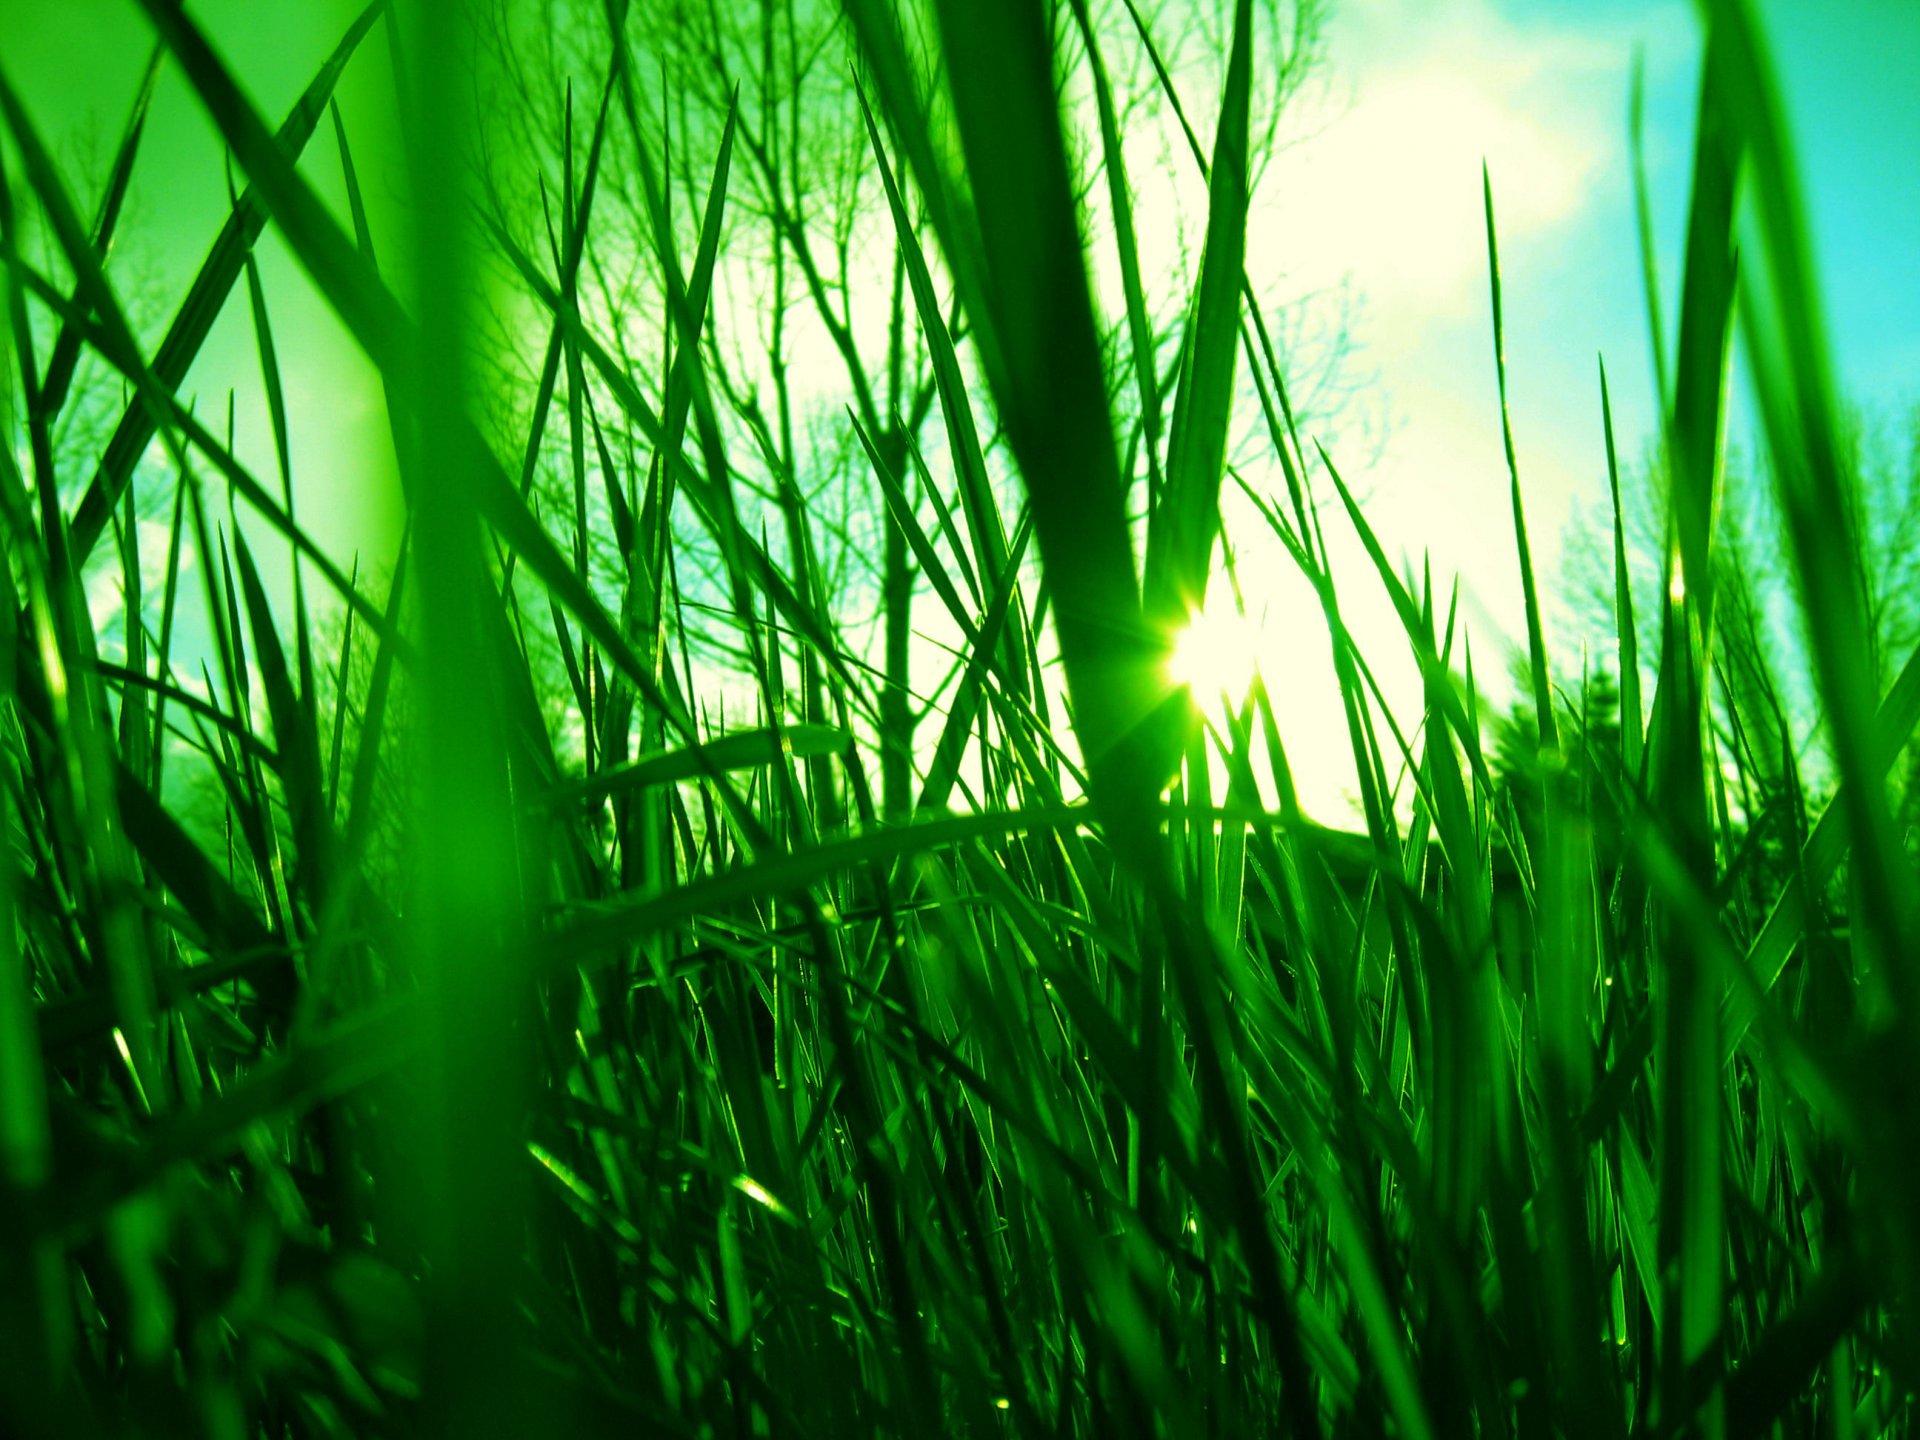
[1643, 217]
[371, 735]
[635, 915]
[133, 732]
[283, 456]
[739, 750]
[336, 747]
[716, 1087]
[1817, 488]
[1418, 633]
[1632, 718]
[944, 767]
[901, 504]
[681, 391]
[340, 273]
[1536, 639]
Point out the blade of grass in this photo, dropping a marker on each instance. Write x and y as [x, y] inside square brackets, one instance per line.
[1691, 1239]
[66, 346]
[1181, 532]
[1536, 639]
[206, 297]
[1632, 720]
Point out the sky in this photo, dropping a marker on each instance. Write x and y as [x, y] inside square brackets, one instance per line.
[1386, 197]
[1377, 195]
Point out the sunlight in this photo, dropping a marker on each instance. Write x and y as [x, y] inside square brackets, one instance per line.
[1217, 653]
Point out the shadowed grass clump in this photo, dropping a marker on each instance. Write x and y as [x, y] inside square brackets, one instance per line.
[554, 1035]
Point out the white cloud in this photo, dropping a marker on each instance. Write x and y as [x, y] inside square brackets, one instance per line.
[1388, 193]
[1388, 196]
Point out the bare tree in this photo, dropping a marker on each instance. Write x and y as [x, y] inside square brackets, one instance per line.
[816, 349]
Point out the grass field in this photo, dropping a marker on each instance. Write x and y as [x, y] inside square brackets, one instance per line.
[484, 1069]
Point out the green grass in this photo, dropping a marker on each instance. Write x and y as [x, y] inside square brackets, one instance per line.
[544, 1040]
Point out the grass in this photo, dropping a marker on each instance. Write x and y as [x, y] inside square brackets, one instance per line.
[486, 1074]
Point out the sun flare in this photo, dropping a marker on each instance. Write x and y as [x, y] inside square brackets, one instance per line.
[1217, 653]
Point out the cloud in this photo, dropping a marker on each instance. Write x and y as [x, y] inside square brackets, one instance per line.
[1387, 193]
[1387, 196]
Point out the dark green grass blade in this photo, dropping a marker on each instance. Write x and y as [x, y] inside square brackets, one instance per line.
[465, 943]
[350, 178]
[236, 729]
[348, 1055]
[294, 734]
[877, 25]
[206, 297]
[901, 506]
[283, 455]
[269, 372]
[133, 732]
[372, 731]
[1816, 486]
[1785, 1360]
[66, 347]
[1051, 396]
[91, 289]
[1691, 1241]
[169, 601]
[36, 1325]
[747, 561]
[1821, 857]
[620, 922]
[1817, 489]
[738, 750]
[342, 676]
[1183, 526]
[685, 382]
[229, 925]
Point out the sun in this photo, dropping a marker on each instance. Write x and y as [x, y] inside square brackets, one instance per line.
[1218, 653]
